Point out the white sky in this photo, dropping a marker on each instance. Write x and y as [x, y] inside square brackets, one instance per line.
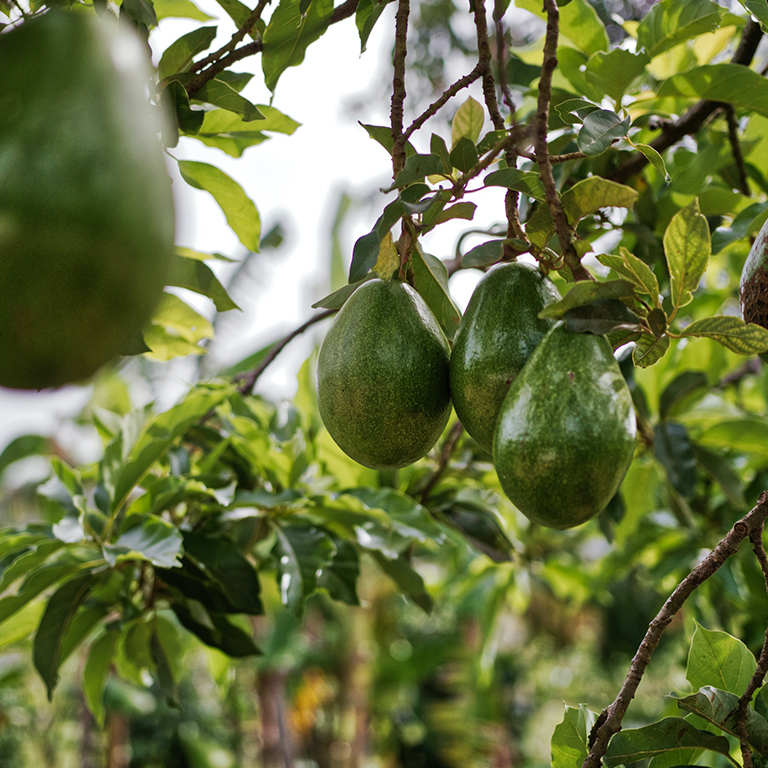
[296, 179]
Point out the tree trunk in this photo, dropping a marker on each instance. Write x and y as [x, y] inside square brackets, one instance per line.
[276, 744]
[118, 740]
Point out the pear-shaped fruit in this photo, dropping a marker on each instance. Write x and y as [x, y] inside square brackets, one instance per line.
[753, 286]
[86, 212]
[497, 335]
[566, 431]
[382, 376]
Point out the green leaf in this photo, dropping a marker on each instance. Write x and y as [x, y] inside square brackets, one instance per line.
[732, 332]
[671, 22]
[406, 578]
[687, 249]
[430, 278]
[654, 158]
[741, 435]
[164, 345]
[600, 130]
[146, 537]
[417, 167]
[288, 35]
[238, 208]
[720, 707]
[26, 561]
[759, 9]
[337, 299]
[720, 660]
[237, 11]
[228, 132]
[730, 83]
[570, 741]
[614, 72]
[464, 155]
[22, 624]
[177, 316]
[179, 9]
[467, 122]
[579, 22]
[365, 254]
[383, 135]
[340, 577]
[629, 267]
[61, 609]
[194, 275]
[520, 181]
[680, 389]
[673, 450]
[519, 72]
[720, 471]
[224, 564]
[437, 147]
[141, 11]
[649, 350]
[220, 94]
[585, 292]
[164, 667]
[188, 119]
[301, 553]
[21, 447]
[366, 16]
[588, 196]
[464, 210]
[217, 631]
[672, 733]
[96, 672]
[601, 317]
[178, 56]
[573, 111]
[483, 255]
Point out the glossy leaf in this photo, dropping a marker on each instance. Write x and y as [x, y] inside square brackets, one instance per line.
[438, 147]
[228, 132]
[600, 130]
[430, 279]
[687, 249]
[406, 578]
[590, 195]
[654, 158]
[483, 255]
[22, 447]
[288, 35]
[759, 10]
[578, 21]
[680, 389]
[183, 9]
[417, 167]
[570, 741]
[573, 111]
[601, 317]
[195, 275]
[238, 208]
[366, 16]
[59, 613]
[732, 332]
[146, 537]
[719, 660]
[520, 181]
[464, 154]
[670, 22]
[722, 473]
[175, 315]
[383, 135]
[220, 94]
[365, 254]
[649, 350]
[217, 631]
[339, 578]
[337, 299]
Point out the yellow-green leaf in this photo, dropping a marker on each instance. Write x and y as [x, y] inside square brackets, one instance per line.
[687, 247]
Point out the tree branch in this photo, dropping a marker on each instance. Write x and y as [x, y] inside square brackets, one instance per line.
[610, 719]
[249, 379]
[738, 155]
[541, 129]
[694, 118]
[449, 446]
[398, 87]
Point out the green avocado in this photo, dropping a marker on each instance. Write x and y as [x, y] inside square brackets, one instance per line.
[497, 335]
[86, 211]
[753, 286]
[382, 376]
[566, 431]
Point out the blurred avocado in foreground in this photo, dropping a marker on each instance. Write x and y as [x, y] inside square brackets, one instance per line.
[86, 211]
[497, 335]
[382, 376]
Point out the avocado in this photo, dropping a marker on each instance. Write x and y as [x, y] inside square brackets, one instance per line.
[497, 335]
[382, 376]
[753, 286]
[86, 211]
[566, 431]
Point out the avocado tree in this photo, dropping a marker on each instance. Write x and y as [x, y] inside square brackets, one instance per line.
[627, 143]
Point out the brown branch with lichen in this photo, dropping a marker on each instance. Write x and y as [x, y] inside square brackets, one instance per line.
[541, 145]
[611, 718]
[398, 87]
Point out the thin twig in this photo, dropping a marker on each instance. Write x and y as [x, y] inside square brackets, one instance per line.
[242, 31]
[506, 93]
[609, 721]
[695, 117]
[341, 12]
[738, 155]
[249, 379]
[398, 87]
[449, 446]
[541, 126]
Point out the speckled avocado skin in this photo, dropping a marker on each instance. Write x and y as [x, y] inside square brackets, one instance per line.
[382, 376]
[566, 432]
[497, 335]
[753, 286]
[86, 210]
